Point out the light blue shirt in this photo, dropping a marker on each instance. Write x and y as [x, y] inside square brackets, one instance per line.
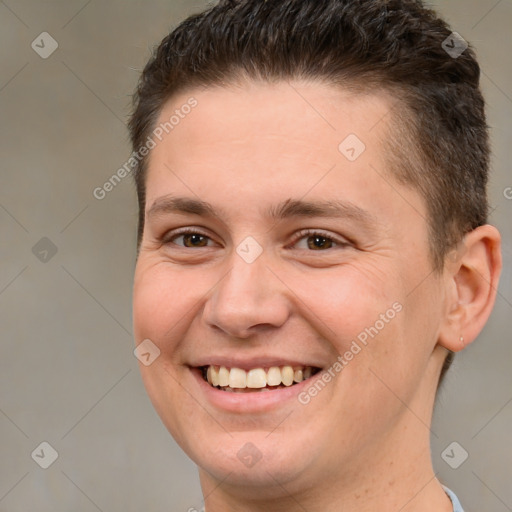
[457, 507]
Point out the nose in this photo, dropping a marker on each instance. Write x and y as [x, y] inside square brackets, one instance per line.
[249, 299]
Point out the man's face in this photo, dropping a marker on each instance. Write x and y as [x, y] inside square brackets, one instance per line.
[266, 281]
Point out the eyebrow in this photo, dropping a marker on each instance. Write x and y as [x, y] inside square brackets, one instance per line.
[284, 210]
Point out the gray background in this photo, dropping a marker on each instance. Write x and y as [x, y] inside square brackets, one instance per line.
[67, 372]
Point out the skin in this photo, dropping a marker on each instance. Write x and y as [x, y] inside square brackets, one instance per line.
[363, 442]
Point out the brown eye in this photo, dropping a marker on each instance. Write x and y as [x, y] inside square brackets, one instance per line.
[312, 240]
[318, 242]
[189, 240]
[194, 240]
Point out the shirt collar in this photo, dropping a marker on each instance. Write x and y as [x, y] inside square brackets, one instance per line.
[457, 507]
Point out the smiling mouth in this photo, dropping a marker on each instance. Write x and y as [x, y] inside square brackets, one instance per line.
[237, 380]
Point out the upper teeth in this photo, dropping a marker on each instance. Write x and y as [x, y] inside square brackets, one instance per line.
[257, 377]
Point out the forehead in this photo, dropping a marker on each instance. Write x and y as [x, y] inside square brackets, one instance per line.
[292, 111]
[261, 142]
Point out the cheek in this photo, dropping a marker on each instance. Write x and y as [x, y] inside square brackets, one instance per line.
[347, 301]
[365, 314]
[162, 302]
[149, 313]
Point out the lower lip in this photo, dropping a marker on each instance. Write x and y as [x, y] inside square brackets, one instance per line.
[249, 402]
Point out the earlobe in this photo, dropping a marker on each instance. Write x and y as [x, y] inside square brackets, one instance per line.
[472, 282]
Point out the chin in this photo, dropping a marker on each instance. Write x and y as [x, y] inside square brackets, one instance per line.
[251, 460]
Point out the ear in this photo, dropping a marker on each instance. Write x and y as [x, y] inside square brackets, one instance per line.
[472, 283]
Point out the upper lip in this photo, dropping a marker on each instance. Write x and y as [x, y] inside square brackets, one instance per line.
[256, 362]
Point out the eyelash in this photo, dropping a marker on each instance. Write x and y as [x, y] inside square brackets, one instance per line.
[298, 236]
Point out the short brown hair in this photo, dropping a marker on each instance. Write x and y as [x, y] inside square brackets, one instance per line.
[440, 143]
